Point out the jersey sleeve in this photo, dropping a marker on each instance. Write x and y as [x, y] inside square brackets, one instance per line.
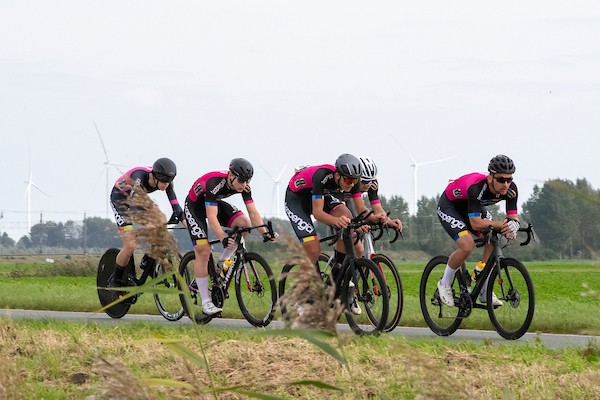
[173, 199]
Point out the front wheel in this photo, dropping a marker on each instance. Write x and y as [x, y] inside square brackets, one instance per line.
[440, 318]
[106, 268]
[372, 302]
[256, 290]
[393, 285]
[167, 299]
[513, 286]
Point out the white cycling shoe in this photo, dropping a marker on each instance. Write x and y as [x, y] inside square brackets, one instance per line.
[446, 294]
[210, 308]
[496, 302]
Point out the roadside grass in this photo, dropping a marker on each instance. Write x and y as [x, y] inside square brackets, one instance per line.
[564, 295]
[67, 360]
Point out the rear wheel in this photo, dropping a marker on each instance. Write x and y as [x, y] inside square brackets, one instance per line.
[106, 268]
[167, 300]
[256, 290]
[393, 284]
[294, 266]
[513, 286]
[374, 303]
[190, 299]
[441, 319]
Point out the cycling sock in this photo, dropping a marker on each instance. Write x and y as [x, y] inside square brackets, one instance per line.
[203, 289]
[339, 256]
[448, 275]
[119, 272]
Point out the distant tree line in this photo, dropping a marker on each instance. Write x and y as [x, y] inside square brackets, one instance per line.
[565, 216]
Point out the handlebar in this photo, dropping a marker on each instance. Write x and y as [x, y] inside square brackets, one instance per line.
[239, 230]
[490, 232]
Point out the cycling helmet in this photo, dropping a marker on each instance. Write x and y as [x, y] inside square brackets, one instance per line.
[164, 170]
[501, 164]
[242, 168]
[369, 169]
[349, 166]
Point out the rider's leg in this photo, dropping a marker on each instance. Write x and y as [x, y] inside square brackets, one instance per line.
[126, 252]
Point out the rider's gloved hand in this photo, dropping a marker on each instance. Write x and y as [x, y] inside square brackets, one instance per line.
[513, 227]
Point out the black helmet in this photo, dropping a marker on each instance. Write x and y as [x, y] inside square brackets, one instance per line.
[349, 166]
[501, 164]
[242, 168]
[164, 170]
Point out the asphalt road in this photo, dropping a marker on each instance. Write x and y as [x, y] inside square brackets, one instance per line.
[547, 339]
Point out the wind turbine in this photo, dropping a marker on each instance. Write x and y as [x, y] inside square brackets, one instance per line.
[31, 184]
[415, 166]
[108, 164]
[276, 183]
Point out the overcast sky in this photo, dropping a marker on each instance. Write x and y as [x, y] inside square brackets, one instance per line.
[282, 82]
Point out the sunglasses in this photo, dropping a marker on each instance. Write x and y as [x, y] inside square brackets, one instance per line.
[349, 181]
[367, 182]
[164, 178]
[241, 179]
[504, 180]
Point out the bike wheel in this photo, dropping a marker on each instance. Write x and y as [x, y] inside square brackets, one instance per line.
[167, 301]
[441, 319]
[285, 283]
[393, 284]
[106, 268]
[256, 290]
[367, 280]
[190, 299]
[513, 286]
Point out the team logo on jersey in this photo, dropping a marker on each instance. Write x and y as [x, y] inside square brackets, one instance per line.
[457, 192]
[327, 178]
[198, 189]
[299, 183]
[219, 186]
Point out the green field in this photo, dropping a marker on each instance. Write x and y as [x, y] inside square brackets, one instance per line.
[567, 293]
[141, 360]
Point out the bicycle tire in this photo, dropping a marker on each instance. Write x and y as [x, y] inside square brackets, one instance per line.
[256, 290]
[394, 288]
[367, 277]
[168, 304]
[294, 266]
[441, 319]
[514, 288]
[191, 300]
[106, 267]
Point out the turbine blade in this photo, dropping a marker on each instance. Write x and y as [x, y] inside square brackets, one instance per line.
[38, 188]
[101, 141]
[404, 148]
[281, 173]
[436, 161]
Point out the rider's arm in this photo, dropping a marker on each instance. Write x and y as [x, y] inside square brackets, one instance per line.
[320, 214]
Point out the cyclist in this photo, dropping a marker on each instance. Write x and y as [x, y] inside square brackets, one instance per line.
[205, 202]
[462, 212]
[158, 177]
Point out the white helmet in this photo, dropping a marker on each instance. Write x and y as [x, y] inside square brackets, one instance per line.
[369, 169]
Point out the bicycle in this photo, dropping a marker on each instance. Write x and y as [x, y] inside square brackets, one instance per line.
[358, 279]
[167, 303]
[257, 299]
[393, 282]
[508, 277]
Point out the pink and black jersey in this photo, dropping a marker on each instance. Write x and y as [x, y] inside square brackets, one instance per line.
[212, 186]
[315, 181]
[471, 192]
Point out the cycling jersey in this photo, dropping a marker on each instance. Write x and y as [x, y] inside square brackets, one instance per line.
[124, 188]
[467, 197]
[210, 190]
[311, 183]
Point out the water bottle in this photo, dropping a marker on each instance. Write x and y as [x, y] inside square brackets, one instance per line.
[478, 268]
